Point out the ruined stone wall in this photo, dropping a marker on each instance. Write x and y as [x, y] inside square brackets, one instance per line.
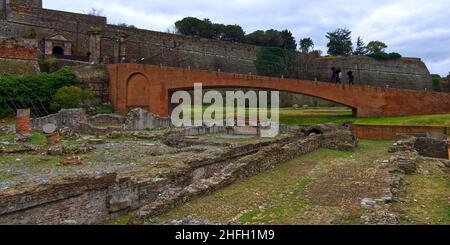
[18, 57]
[94, 77]
[92, 199]
[405, 73]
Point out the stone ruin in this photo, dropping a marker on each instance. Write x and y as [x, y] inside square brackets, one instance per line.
[410, 149]
[96, 196]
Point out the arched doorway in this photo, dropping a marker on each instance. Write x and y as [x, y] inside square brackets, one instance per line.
[138, 92]
[57, 50]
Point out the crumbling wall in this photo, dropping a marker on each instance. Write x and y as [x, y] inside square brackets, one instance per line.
[64, 118]
[96, 78]
[139, 119]
[18, 57]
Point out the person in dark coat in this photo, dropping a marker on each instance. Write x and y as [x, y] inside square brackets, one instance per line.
[333, 75]
[351, 78]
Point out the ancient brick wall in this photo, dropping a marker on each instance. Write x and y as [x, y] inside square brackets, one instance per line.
[27, 3]
[46, 23]
[117, 44]
[18, 57]
[407, 73]
[149, 47]
[18, 49]
[384, 132]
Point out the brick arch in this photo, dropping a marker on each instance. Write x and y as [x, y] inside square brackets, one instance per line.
[138, 91]
[240, 85]
[366, 100]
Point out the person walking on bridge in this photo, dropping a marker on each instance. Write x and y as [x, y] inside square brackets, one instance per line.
[333, 75]
[351, 78]
[338, 75]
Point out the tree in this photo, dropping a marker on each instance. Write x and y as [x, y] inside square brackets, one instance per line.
[376, 47]
[192, 26]
[288, 40]
[361, 49]
[255, 38]
[273, 38]
[306, 44]
[269, 38]
[340, 42]
[69, 97]
[232, 33]
[94, 12]
[276, 61]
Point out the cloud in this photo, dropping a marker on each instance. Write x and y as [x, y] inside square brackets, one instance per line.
[416, 28]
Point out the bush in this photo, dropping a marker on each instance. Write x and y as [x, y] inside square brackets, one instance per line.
[275, 62]
[34, 91]
[436, 84]
[385, 56]
[69, 97]
[101, 109]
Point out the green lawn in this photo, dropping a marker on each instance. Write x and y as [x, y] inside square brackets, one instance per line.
[427, 120]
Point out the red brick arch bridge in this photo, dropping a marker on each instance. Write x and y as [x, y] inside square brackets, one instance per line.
[146, 86]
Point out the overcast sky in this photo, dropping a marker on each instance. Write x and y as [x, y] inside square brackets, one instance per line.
[414, 28]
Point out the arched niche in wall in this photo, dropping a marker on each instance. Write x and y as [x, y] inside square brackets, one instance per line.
[138, 92]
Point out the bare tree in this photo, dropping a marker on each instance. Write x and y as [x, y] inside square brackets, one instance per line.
[94, 12]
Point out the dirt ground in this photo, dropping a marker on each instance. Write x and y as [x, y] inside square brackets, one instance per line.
[326, 187]
[125, 155]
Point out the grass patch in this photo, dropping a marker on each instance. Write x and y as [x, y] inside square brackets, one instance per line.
[426, 197]
[122, 220]
[427, 120]
[274, 197]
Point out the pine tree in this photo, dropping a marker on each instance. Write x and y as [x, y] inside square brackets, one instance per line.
[361, 49]
[340, 42]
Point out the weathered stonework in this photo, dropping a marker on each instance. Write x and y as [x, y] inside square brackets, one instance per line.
[405, 73]
[90, 38]
[18, 56]
[95, 197]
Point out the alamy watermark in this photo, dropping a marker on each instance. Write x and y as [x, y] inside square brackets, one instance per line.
[235, 108]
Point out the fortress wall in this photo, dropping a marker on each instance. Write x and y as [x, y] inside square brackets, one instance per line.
[406, 73]
[46, 23]
[131, 45]
[180, 51]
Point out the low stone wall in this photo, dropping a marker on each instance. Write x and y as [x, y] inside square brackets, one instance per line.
[107, 119]
[64, 118]
[381, 132]
[92, 199]
[225, 174]
[139, 119]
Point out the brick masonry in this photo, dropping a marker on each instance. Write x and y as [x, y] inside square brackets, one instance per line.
[85, 34]
[381, 132]
[149, 87]
[23, 122]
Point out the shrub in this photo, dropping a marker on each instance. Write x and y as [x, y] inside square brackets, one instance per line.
[33, 91]
[385, 56]
[436, 84]
[69, 97]
[274, 62]
[101, 109]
